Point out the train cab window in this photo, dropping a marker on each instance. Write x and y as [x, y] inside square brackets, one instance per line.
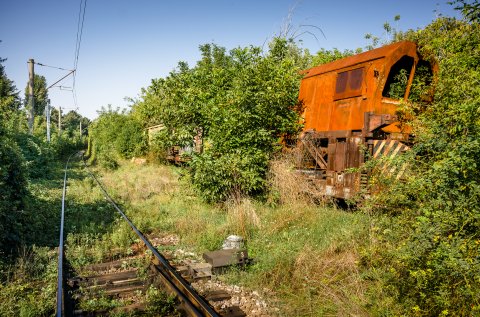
[397, 80]
[422, 85]
[349, 84]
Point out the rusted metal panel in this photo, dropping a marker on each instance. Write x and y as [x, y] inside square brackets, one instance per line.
[392, 52]
[340, 156]
[355, 155]
[337, 94]
[332, 146]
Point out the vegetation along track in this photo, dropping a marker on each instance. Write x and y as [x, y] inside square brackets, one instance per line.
[104, 282]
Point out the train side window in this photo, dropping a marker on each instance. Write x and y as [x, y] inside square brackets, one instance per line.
[397, 80]
[342, 80]
[349, 84]
[356, 78]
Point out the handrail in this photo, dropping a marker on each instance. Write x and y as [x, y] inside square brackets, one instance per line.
[196, 305]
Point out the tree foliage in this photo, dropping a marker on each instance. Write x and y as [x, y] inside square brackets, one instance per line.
[431, 242]
[23, 157]
[242, 101]
[40, 94]
[469, 8]
[71, 123]
[12, 173]
[115, 134]
[324, 56]
[9, 102]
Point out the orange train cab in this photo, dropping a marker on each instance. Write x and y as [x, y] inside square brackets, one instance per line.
[350, 107]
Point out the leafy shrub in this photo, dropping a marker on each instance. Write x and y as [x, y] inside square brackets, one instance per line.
[242, 103]
[12, 190]
[62, 147]
[114, 134]
[13, 179]
[107, 160]
[430, 248]
[231, 174]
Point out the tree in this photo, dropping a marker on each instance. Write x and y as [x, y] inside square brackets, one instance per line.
[324, 56]
[470, 9]
[244, 101]
[12, 173]
[40, 94]
[71, 123]
[9, 100]
[115, 134]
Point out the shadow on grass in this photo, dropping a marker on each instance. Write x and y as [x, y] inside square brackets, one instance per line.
[43, 204]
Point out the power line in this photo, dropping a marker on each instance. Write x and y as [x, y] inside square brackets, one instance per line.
[81, 17]
[60, 68]
[63, 87]
[40, 64]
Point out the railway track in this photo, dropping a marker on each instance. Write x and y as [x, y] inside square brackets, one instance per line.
[120, 280]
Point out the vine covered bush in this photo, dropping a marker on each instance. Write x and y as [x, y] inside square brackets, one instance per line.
[429, 243]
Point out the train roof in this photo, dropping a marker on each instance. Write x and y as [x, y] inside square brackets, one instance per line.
[392, 52]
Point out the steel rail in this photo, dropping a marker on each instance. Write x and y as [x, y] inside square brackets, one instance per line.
[60, 294]
[194, 303]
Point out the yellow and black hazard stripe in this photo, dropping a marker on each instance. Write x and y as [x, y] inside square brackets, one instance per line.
[388, 148]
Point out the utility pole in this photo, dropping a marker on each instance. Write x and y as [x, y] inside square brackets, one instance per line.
[59, 121]
[48, 120]
[80, 128]
[31, 100]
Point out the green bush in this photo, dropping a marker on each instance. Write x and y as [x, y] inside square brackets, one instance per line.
[12, 189]
[115, 134]
[37, 154]
[430, 247]
[242, 102]
[229, 175]
[62, 147]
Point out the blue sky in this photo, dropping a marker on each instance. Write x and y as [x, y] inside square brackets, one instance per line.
[127, 43]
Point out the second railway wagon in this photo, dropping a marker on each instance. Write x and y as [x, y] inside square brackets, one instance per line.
[351, 114]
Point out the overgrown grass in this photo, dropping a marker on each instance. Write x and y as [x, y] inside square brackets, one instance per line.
[306, 256]
[28, 277]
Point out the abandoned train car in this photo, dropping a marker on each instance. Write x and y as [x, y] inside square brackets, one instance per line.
[351, 114]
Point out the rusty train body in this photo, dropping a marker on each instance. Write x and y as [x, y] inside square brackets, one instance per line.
[350, 115]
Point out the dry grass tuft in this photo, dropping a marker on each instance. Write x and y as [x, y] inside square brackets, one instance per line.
[332, 278]
[242, 216]
[288, 186]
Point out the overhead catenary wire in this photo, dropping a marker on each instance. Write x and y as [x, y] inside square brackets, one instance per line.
[78, 42]
[81, 20]
[70, 71]
[56, 67]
